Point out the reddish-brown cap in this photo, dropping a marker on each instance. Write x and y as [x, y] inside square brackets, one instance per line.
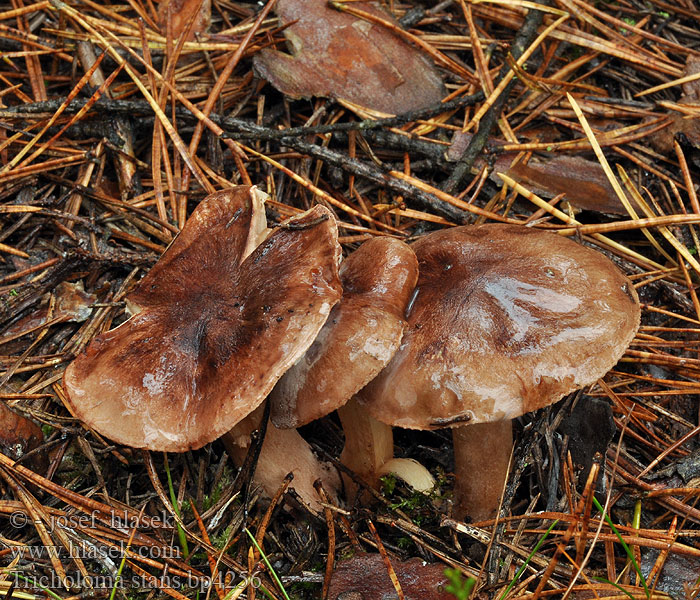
[213, 329]
[361, 335]
[507, 320]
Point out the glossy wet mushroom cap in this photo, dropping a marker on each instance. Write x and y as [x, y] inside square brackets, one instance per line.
[215, 323]
[359, 338]
[507, 320]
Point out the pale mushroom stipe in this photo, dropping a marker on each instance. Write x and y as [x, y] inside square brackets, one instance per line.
[506, 320]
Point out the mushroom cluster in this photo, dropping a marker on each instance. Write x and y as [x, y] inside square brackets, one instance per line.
[467, 328]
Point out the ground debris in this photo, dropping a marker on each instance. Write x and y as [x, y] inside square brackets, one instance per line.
[113, 130]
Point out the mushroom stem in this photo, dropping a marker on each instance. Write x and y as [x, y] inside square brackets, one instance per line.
[368, 442]
[482, 457]
[283, 451]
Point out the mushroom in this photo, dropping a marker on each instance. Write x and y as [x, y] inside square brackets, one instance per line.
[359, 338]
[283, 451]
[506, 320]
[221, 316]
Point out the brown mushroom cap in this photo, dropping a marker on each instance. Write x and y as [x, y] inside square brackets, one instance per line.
[359, 338]
[507, 320]
[213, 331]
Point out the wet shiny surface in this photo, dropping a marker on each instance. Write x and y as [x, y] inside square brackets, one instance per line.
[213, 331]
[359, 338]
[506, 320]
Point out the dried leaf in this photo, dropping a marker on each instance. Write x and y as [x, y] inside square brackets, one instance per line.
[582, 180]
[338, 55]
[73, 303]
[182, 11]
[365, 577]
[678, 576]
[19, 435]
[683, 125]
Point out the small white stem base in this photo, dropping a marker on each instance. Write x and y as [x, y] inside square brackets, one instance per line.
[411, 472]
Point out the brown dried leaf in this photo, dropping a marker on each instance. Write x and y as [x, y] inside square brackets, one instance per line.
[679, 574]
[72, 304]
[691, 89]
[19, 435]
[337, 55]
[582, 180]
[365, 577]
[687, 126]
[182, 11]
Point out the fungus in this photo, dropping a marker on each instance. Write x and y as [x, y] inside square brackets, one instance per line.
[507, 320]
[359, 338]
[282, 451]
[215, 323]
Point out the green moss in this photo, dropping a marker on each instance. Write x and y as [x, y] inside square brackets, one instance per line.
[459, 585]
[226, 479]
[219, 541]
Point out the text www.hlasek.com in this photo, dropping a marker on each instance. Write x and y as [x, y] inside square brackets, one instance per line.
[114, 552]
